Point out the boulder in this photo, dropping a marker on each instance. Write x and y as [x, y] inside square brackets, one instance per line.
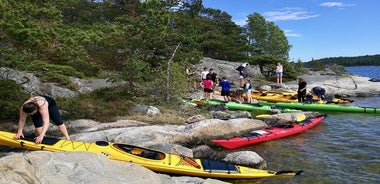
[80, 167]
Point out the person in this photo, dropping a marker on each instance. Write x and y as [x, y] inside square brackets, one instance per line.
[225, 84]
[247, 90]
[41, 109]
[191, 76]
[279, 71]
[207, 87]
[320, 92]
[214, 78]
[301, 93]
[204, 73]
[242, 73]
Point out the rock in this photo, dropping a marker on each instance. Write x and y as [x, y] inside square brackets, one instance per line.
[195, 118]
[246, 158]
[204, 152]
[146, 110]
[225, 115]
[71, 167]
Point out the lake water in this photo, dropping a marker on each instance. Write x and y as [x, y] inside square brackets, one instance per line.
[366, 71]
[345, 148]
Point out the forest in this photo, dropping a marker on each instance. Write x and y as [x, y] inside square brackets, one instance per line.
[368, 60]
[146, 44]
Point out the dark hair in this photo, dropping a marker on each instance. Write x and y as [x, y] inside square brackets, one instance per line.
[29, 107]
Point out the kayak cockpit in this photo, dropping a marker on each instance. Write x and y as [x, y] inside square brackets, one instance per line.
[141, 152]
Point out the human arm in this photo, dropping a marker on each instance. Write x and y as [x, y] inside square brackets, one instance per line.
[44, 111]
[21, 124]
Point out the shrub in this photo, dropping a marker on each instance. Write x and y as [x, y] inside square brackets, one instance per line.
[11, 99]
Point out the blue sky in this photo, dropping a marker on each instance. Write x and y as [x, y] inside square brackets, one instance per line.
[315, 28]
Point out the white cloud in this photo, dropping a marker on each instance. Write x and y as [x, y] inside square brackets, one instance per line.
[335, 4]
[290, 33]
[289, 14]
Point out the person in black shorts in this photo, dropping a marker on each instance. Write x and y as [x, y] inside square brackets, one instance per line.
[225, 84]
[301, 93]
[41, 109]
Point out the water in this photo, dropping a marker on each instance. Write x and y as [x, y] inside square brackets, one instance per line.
[345, 148]
[365, 71]
[342, 149]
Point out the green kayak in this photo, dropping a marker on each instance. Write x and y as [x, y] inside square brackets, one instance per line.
[323, 107]
[256, 108]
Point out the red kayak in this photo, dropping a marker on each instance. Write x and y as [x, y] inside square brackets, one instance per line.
[269, 133]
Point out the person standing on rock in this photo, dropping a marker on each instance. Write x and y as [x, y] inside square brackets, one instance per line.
[41, 109]
[279, 71]
[247, 90]
[204, 73]
[242, 73]
[191, 76]
[214, 78]
[301, 93]
[225, 84]
[207, 87]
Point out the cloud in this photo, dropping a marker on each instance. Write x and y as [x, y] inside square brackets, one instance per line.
[335, 4]
[289, 14]
[290, 33]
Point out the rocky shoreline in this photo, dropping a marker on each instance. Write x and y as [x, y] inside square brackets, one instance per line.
[45, 167]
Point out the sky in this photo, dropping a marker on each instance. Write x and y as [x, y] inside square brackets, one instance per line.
[315, 28]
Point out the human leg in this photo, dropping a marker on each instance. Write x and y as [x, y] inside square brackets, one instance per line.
[56, 117]
[62, 128]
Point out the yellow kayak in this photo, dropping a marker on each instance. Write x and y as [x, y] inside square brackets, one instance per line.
[154, 160]
[273, 96]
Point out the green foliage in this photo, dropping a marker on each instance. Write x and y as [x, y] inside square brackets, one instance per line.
[266, 39]
[131, 40]
[367, 60]
[338, 69]
[12, 97]
[315, 65]
[42, 68]
[102, 105]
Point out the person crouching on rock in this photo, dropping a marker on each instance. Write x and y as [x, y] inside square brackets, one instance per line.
[41, 109]
[320, 92]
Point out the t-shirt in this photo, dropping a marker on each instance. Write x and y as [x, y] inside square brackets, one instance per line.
[301, 85]
[225, 84]
[279, 68]
[204, 74]
[207, 84]
[213, 76]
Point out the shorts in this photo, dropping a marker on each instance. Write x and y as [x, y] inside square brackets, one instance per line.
[279, 73]
[53, 114]
[225, 93]
[207, 90]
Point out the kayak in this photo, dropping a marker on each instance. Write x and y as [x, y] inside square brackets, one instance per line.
[258, 108]
[269, 133]
[323, 107]
[272, 96]
[155, 160]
